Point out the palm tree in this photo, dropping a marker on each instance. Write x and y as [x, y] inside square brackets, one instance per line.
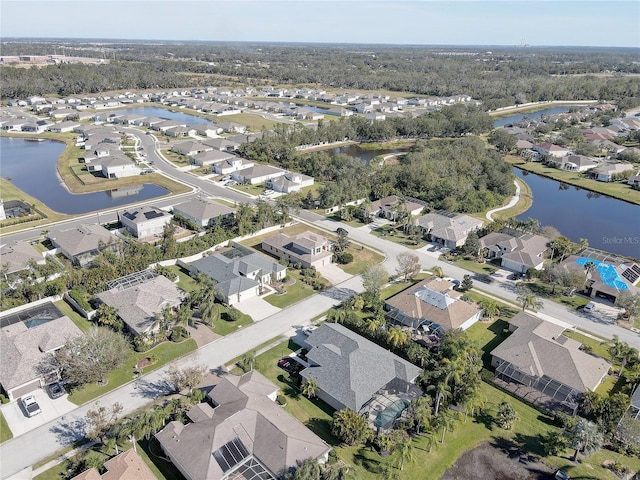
[406, 453]
[309, 388]
[397, 337]
[588, 268]
[446, 422]
[438, 272]
[584, 437]
[183, 316]
[529, 300]
[622, 352]
[442, 393]
[374, 325]
[491, 308]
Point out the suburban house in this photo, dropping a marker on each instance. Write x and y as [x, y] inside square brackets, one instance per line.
[290, 182]
[545, 367]
[223, 144]
[139, 297]
[391, 207]
[17, 256]
[82, 243]
[353, 372]
[190, 148]
[433, 302]
[574, 163]
[118, 166]
[634, 182]
[25, 348]
[203, 212]
[608, 278]
[448, 229]
[257, 174]
[306, 249]
[145, 221]
[606, 173]
[207, 129]
[211, 156]
[239, 273]
[246, 435]
[518, 253]
[551, 150]
[126, 466]
[230, 165]
[232, 127]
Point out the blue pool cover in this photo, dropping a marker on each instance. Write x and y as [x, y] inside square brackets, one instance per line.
[608, 273]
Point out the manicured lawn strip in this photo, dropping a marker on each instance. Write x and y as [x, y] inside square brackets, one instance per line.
[225, 327]
[618, 190]
[524, 202]
[396, 287]
[599, 348]
[54, 473]
[294, 293]
[250, 189]
[5, 431]
[81, 322]
[486, 268]
[185, 282]
[164, 352]
[362, 258]
[543, 290]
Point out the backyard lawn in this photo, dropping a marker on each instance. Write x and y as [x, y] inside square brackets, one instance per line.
[366, 464]
[81, 322]
[185, 282]
[165, 352]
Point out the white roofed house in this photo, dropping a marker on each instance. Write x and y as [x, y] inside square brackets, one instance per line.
[230, 165]
[17, 256]
[307, 249]
[190, 148]
[82, 243]
[290, 182]
[607, 173]
[392, 206]
[179, 131]
[574, 163]
[232, 127]
[207, 130]
[211, 156]
[145, 221]
[118, 166]
[258, 174]
[202, 211]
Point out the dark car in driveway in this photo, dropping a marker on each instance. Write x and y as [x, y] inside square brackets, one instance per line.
[55, 390]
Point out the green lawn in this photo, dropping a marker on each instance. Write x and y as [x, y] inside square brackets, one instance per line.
[396, 235]
[250, 189]
[81, 322]
[5, 431]
[185, 282]
[150, 452]
[482, 268]
[165, 352]
[294, 293]
[362, 258]
[224, 326]
[598, 347]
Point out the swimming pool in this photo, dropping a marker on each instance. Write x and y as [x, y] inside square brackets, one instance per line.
[385, 418]
[608, 273]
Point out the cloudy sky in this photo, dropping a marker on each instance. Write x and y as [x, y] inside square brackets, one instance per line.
[453, 22]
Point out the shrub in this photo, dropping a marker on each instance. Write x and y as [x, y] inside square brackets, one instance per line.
[3, 399]
[346, 258]
[178, 334]
[79, 294]
[281, 399]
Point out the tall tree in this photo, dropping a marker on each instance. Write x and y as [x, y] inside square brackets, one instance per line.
[350, 427]
[187, 377]
[373, 279]
[405, 454]
[101, 419]
[506, 415]
[397, 337]
[309, 388]
[585, 437]
[408, 265]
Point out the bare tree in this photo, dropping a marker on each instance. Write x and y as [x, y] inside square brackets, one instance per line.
[101, 420]
[188, 377]
[408, 265]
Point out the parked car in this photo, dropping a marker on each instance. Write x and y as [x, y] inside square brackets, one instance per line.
[286, 364]
[55, 390]
[560, 475]
[590, 306]
[30, 405]
[230, 183]
[309, 329]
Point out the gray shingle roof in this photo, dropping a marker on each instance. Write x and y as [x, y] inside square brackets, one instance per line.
[17, 255]
[244, 411]
[351, 369]
[82, 239]
[538, 348]
[202, 209]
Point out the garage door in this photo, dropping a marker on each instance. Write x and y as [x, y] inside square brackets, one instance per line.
[28, 388]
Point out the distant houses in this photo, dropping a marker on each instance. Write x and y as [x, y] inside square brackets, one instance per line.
[448, 229]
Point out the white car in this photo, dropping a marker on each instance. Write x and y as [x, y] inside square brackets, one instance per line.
[30, 405]
[309, 330]
[590, 306]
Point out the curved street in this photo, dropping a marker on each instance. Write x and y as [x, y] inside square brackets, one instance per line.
[27, 449]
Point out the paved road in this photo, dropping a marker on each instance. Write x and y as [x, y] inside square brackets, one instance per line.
[33, 446]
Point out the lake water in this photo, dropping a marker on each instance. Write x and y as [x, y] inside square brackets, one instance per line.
[608, 224]
[365, 155]
[32, 168]
[532, 115]
[185, 118]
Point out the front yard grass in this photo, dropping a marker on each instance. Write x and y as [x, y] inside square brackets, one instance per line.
[597, 347]
[165, 352]
[224, 326]
[250, 189]
[397, 235]
[161, 468]
[486, 268]
[185, 281]
[5, 431]
[293, 293]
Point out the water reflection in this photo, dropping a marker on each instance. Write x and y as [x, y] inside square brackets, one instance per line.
[31, 166]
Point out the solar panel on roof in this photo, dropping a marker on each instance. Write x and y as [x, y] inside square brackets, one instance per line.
[230, 454]
[151, 214]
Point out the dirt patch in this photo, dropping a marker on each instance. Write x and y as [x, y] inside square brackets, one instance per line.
[498, 462]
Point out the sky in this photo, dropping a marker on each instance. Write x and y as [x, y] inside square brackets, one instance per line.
[416, 22]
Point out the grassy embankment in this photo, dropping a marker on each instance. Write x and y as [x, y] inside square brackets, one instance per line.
[618, 190]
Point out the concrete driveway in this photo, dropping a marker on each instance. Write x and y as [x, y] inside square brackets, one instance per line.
[18, 421]
[257, 308]
[333, 274]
